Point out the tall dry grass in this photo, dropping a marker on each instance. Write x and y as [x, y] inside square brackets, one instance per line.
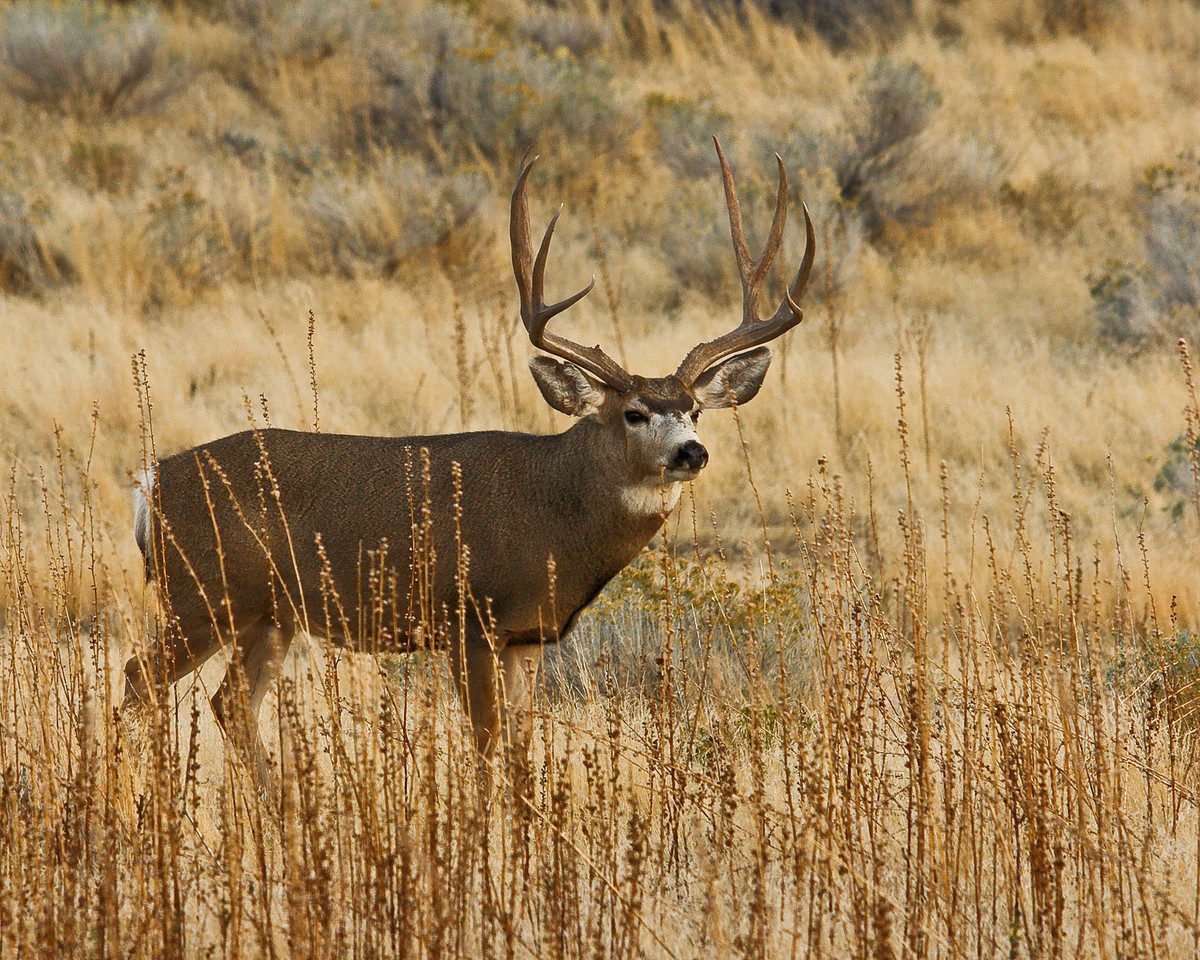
[1014, 195]
[858, 753]
[881, 690]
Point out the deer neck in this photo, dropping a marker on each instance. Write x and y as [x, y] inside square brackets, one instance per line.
[597, 471]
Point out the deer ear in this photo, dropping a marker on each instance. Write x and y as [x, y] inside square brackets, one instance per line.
[735, 380]
[565, 387]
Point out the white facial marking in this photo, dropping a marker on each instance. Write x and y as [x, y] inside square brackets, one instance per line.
[668, 432]
[659, 440]
[141, 507]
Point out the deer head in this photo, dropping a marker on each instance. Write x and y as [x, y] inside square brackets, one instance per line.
[657, 416]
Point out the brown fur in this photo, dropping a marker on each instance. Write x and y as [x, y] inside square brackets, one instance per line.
[230, 559]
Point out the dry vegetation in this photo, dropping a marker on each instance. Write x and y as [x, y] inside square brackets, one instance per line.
[913, 672]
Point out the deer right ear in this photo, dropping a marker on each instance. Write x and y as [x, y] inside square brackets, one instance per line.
[565, 387]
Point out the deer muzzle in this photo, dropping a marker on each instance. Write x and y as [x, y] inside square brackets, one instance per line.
[689, 458]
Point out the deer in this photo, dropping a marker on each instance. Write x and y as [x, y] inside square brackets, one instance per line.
[507, 538]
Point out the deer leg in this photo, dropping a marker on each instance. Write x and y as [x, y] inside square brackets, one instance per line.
[495, 686]
[474, 664]
[253, 668]
[178, 655]
[519, 664]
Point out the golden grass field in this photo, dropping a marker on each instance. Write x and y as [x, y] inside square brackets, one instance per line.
[912, 672]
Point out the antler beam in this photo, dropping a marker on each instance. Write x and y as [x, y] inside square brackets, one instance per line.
[535, 312]
[753, 330]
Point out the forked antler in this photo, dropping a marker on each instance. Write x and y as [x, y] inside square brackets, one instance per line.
[753, 330]
[535, 313]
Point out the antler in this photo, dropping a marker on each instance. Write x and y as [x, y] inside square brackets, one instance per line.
[535, 313]
[753, 330]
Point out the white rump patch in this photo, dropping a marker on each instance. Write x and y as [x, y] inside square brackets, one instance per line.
[651, 497]
[141, 509]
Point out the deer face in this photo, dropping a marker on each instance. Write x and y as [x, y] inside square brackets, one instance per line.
[658, 424]
[656, 419]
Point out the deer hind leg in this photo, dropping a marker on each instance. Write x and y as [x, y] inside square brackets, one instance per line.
[257, 660]
[171, 658]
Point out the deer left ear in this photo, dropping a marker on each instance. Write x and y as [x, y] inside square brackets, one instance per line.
[735, 380]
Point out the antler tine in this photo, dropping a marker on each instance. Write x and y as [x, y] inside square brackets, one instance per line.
[740, 249]
[752, 272]
[518, 234]
[530, 272]
[753, 330]
[792, 293]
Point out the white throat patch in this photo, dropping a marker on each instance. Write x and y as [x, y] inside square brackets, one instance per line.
[651, 497]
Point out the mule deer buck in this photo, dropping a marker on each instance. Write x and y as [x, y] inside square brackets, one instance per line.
[489, 543]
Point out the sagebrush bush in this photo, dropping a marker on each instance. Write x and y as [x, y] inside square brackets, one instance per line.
[1027, 21]
[555, 30]
[308, 30]
[373, 221]
[81, 59]
[694, 243]
[102, 164]
[840, 234]
[452, 85]
[896, 103]
[618, 648]
[29, 264]
[1171, 204]
[1160, 296]
[684, 129]
[183, 244]
[1121, 303]
[845, 23]
[886, 160]
[1175, 480]
[1051, 203]
[839, 223]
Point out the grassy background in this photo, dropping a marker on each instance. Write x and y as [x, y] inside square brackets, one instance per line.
[913, 676]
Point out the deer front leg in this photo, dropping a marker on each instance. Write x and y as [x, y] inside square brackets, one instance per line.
[495, 686]
[519, 664]
[474, 665]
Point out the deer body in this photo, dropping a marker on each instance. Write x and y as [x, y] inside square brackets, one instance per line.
[490, 543]
[564, 501]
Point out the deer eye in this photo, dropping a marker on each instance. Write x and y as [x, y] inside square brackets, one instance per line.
[635, 418]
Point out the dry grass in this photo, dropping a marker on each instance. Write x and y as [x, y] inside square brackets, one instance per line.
[915, 692]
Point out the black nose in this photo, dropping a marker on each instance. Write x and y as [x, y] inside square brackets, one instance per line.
[691, 456]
